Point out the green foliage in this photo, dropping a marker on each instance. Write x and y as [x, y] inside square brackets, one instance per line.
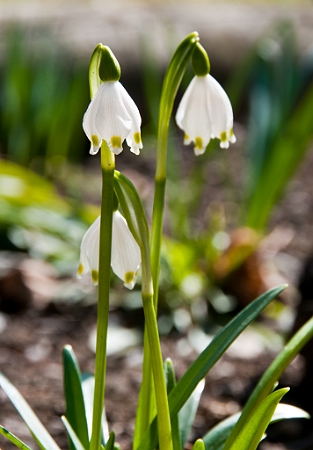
[253, 430]
[206, 360]
[41, 435]
[42, 99]
[280, 123]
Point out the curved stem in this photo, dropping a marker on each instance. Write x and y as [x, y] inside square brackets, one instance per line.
[173, 77]
[107, 166]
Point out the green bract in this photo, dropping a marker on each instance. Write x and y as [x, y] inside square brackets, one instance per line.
[109, 68]
[200, 61]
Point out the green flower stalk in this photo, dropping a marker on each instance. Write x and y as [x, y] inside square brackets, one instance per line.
[111, 117]
[172, 80]
[136, 219]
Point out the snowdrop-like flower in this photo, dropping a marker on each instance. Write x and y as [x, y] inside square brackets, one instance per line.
[125, 258]
[112, 115]
[204, 113]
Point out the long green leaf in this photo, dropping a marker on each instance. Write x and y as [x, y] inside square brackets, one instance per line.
[39, 432]
[16, 441]
[75, 405]
[287, 152]
[217, 436]
[208, 358]
[77, 445]
[272, 375]
[254, 429]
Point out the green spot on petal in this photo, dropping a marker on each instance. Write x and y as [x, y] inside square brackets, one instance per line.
[186, 137]
[80, 269]
[95, 140]
[223, 136]
[137, 137]
[95, 276]
[129, 277]
[231, 132]
[116, 141]
[198, 143]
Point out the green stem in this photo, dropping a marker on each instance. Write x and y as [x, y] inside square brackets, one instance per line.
[107, 165]
[164, 423]
[172, 80]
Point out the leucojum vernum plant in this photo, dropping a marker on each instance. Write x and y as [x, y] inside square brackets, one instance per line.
[120, 238]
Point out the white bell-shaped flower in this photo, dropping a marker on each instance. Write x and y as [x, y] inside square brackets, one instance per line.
[204, 113]
[125, 257]
[113, 116]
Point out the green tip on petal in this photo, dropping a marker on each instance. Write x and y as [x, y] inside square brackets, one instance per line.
[200, 61]
[109, 68]
[116, 141]
[223, 136]
[80, 269]
[95, 276]
[137, 137]
[198, 143]
[129, 277]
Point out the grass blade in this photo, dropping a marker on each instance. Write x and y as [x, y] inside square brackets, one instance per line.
[16, 441]
[208, 358]
[272, 375]
[39, 432]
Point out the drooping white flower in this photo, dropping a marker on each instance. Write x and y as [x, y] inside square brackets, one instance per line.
[204, 113]
[113, 116]
[125, 257]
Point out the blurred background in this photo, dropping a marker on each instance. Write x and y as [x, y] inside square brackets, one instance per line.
[243, 224]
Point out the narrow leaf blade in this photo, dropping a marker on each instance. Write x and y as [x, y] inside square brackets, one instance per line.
[39, 432]
[75, 405]
[208, 358]
[16, 441]
[74, 438]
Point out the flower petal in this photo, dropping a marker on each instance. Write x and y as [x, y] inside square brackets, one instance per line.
[193, 115]
[205, 112]
[90, 129]
[134, 138]
[125, 259]
[89, 249]
[221, 112]
[112, 120]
